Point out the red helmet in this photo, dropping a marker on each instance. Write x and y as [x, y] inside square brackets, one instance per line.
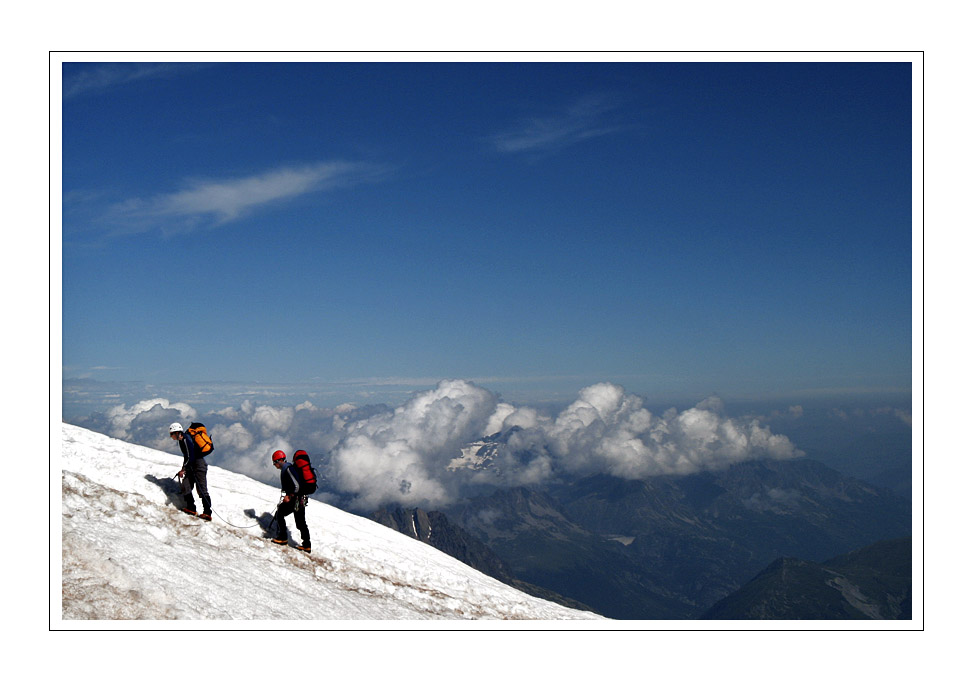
[277, 456]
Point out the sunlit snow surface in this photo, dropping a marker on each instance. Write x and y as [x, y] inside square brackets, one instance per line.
[129, 553]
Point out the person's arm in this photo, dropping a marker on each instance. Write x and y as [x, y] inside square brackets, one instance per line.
[186, 457]
[289, 484]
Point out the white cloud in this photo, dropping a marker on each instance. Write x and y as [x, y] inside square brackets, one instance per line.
[496, 422]
[402, 456]
[144, 422]
[124, 422]
[255, 462]
[607, 430]
[582, 120]
[272, 421]
[107, 76]
[205, 202]
[902, 415]
[234, 437]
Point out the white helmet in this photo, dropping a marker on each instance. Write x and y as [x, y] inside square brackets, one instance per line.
[175, 427]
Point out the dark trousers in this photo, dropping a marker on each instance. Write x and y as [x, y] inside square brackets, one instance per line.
[296, 506]
[196, 475]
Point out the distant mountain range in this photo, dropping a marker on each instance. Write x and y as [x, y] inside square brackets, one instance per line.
[435, 529]
[666, 547]
[871, 583]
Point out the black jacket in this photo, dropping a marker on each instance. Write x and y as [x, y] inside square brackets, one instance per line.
[191, 451]
[290, 480]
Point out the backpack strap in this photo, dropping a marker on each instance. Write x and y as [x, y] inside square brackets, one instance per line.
[291, 473]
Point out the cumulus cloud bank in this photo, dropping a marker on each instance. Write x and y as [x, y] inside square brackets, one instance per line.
[146, 422]
[609, 431]
[402, 456]
[408, 455]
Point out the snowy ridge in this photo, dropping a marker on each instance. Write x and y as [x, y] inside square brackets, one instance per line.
[475, 456]
[128, 553]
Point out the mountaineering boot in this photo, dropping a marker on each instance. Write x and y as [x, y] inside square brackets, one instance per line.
[189, 511]
[205, 516]
[305, 547]
[280, 541]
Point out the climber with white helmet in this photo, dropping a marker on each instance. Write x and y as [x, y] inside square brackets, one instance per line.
[194, 471]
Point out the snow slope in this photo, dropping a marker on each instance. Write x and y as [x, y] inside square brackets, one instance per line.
[129, 553]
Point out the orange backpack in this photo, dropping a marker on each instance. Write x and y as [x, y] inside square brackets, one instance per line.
[203, 441]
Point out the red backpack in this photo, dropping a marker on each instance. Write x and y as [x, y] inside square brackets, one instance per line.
[309, 478]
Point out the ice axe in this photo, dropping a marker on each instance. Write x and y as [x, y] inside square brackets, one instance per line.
[276, 510]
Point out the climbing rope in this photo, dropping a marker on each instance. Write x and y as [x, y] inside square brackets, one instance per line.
[234, 525]
[218, 516]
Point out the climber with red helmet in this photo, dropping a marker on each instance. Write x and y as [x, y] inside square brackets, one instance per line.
[292, 502]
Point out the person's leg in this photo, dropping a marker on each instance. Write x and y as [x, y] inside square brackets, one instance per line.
[300, 523]
[186, 486]
[200, 474]
[281, 528]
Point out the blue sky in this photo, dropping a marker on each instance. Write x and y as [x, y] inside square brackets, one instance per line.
[681, 229]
